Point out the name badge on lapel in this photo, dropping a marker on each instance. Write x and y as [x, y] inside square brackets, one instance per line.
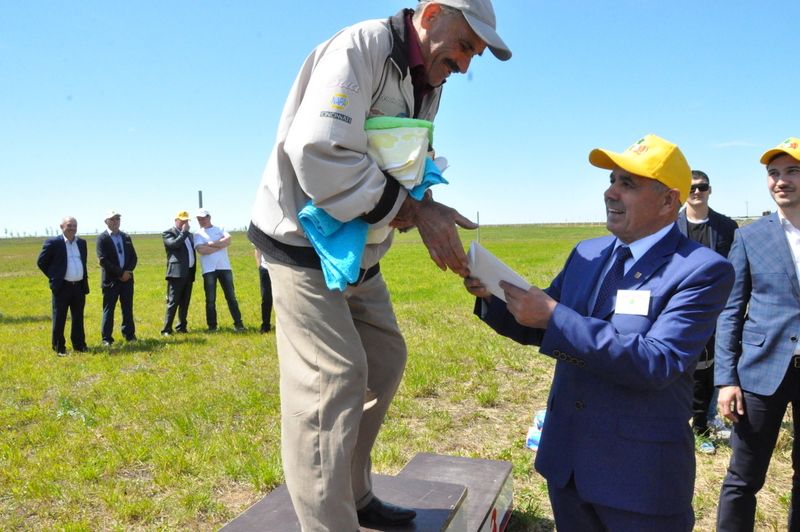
[635, 302]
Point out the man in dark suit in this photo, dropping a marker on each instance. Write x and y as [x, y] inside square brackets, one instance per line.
[701, 223]
[63, 261]
[758, 351]
[181, 268]
[117, 262]
[626, 320]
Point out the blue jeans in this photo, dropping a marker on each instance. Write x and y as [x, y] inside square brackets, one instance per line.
[225, 278]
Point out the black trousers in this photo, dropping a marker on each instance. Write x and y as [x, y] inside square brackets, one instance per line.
[123, 292]
[179, 295]
[70, 297]
[753, 440]
[703, 392]
[266, 298]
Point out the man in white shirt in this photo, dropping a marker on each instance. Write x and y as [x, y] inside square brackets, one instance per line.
[63, 261]
[211, 243]
[757, 356]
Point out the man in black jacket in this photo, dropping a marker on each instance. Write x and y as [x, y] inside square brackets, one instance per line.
[63, 261]
[117, 262]
[714, 230]
[181, 268]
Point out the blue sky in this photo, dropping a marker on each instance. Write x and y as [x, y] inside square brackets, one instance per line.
[135, 106]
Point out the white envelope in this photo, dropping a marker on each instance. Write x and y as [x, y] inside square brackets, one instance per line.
[491, 270]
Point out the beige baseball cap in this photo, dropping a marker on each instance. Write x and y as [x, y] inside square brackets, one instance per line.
[480, 17]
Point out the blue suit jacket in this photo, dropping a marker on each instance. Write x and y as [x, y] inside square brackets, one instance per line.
[52, 261]
[619, 406]
[758, 331]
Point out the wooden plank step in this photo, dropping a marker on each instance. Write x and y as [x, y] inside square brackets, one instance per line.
[438, 505]
[489, 486]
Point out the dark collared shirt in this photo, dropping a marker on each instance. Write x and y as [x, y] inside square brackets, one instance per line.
[419, 76]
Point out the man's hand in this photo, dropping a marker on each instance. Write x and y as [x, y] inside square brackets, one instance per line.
[531, 308]
[475, 287]
[436, 224]
[730, 402]
[126, 276]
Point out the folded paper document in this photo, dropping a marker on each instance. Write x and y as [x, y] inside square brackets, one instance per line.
[491, 270]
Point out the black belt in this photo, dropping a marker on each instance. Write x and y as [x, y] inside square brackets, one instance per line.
[74, 283]
[366, 275]
[796, 361]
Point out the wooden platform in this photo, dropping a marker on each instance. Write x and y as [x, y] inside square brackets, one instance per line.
[449, 493]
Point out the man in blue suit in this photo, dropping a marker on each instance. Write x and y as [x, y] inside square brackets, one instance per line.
[63, 261]
[758, 352]
[626, 320]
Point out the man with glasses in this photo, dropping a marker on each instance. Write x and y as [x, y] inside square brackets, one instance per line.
[758, 344]
[713, 230]
[117, 262]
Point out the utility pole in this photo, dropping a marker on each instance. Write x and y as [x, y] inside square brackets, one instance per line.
[200, 199]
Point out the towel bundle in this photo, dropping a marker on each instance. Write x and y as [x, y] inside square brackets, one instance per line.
[399, 146]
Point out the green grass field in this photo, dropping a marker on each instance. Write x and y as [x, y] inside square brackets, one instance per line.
[183, 432]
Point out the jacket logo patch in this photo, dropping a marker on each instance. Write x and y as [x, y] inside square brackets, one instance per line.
[339, 101]
[337, 116]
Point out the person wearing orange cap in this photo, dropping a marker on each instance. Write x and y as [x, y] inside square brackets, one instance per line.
[181, 269]
[758, 344]
[626, 320]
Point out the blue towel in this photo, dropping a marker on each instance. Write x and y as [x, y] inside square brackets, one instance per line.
[340, 245]
[433, 176]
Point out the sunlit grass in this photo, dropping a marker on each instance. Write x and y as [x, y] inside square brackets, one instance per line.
[183, 433]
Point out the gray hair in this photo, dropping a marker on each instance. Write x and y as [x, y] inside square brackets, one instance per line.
[448, 11]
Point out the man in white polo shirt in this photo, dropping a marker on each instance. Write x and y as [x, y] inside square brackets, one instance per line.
[211, 244]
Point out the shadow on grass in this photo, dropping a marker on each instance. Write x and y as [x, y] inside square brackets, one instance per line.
[146, 345]
[525, 522]
[4, 318]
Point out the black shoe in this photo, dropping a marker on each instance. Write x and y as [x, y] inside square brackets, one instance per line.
[239, 328]
[83, 349]
[131, 338]
[212, 329]
[379, 513]
[266, 329]
[181, 331]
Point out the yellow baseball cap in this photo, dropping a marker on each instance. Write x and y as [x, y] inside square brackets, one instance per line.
[182, 215]
[651, 157]
[790, 146]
